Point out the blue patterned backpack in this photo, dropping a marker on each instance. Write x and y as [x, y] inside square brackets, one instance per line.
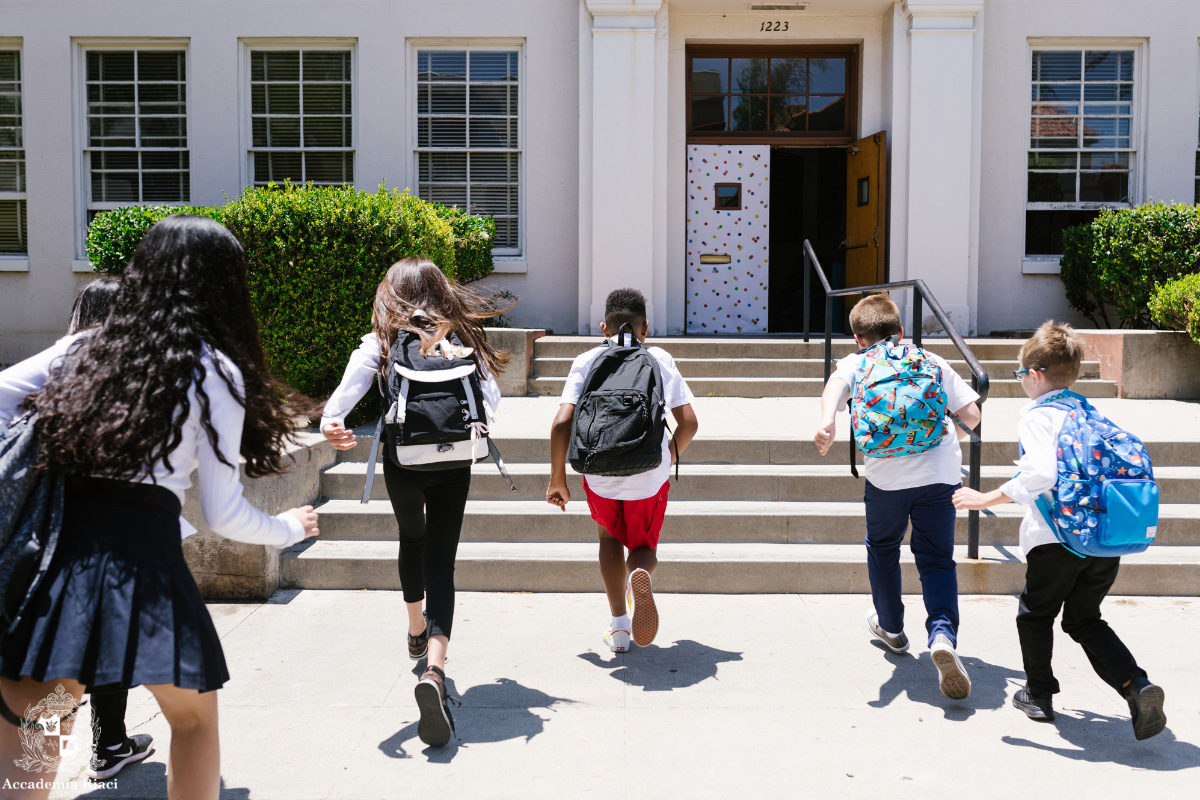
[899, 406]
[1106, 501]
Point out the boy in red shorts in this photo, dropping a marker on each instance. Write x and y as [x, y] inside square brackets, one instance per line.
[628, 509]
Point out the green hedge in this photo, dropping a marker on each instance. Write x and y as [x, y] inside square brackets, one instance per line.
[316, 255]
[1176, 304]
[1121, 257]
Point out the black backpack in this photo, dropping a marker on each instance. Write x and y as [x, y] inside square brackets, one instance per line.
[621, 414]
[434, 417]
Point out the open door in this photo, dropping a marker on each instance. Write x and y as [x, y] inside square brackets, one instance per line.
[865, 196]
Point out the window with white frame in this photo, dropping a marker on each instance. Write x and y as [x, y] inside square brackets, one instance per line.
[301, 116]
[12, 156]
[1081, 141]
[468, 135]
[136, 145]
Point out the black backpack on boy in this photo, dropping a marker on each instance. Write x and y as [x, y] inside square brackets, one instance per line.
[434, 417]
[621, 414]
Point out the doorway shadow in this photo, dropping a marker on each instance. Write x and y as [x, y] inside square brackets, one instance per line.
[145, 781]
[1098, 738]
[489, 713]
[664, 669]
[918, 678]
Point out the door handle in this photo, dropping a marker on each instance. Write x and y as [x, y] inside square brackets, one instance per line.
[714, 258]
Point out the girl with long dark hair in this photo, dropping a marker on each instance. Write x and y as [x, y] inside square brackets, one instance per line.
[173, 380]
[429, 505]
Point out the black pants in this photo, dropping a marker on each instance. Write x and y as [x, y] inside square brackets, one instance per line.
[429, 508]
[1055, 579]
[108, 715]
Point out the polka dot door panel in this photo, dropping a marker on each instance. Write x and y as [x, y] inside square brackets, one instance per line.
[727, 248]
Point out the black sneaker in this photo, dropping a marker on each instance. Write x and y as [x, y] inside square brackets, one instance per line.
[1036, 708]
[418, 646]
[107, 762]
[1145, 707]
[436, 725]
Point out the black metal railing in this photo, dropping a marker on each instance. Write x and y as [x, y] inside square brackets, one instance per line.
[921, 297]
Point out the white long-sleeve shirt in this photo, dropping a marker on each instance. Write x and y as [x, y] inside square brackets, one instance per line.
[225, 509]
[1037, 469]
[359, 377]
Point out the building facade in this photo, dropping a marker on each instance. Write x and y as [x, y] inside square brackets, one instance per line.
[685, 147]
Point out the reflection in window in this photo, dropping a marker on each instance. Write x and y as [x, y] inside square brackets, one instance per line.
[769, 95]
[728, 197]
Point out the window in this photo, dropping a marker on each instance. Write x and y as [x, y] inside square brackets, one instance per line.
[468, 135]
[301, 117]
[136, 150]
[727, 197]
[12, 156]
[1081, 143]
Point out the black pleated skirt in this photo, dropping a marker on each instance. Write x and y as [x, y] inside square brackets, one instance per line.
[118, 605]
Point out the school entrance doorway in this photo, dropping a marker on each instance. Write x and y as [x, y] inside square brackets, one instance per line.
[772, 161]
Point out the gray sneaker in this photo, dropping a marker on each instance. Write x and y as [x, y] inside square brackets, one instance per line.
[953, 681]
[897, 643]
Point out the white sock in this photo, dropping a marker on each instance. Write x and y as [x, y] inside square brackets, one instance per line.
[621, 623]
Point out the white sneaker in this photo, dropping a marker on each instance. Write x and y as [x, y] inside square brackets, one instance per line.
[617, 639]
[639, 594]
[953, 681]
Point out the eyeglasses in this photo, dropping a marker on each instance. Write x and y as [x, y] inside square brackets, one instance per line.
[1018, 373]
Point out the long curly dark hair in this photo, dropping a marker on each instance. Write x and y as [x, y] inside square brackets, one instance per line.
[117, 403]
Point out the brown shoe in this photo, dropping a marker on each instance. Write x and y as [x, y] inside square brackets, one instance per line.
[436, 725]
[645, 613]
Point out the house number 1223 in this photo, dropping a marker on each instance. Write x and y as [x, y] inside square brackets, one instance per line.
[774, 26]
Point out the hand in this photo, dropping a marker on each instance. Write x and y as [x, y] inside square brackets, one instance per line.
[970, 500]
[307, 517]
[824, 436]
[558, 495]
[339, 437]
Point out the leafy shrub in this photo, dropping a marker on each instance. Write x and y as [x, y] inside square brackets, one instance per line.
[316, 255]
[1124, 254]
[1176, 304]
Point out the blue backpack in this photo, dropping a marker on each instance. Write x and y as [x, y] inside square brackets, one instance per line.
[1106, 501]
[899, 406]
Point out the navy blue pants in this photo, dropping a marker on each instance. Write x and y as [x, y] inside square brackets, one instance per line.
[932, 516]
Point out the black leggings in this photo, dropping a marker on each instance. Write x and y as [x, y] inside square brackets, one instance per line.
[108, 715]
[429, 507]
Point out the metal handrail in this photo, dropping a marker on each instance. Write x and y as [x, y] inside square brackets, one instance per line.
[921, 295]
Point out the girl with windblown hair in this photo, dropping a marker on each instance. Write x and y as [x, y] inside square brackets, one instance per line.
[173, 380]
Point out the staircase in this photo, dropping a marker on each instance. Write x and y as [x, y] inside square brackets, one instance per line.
[756, 508]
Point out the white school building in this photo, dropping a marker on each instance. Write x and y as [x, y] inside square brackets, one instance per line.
[685, 147]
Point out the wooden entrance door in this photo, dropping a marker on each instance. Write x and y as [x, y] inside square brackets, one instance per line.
[865, 221]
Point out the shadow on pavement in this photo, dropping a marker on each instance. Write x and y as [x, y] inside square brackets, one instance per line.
[146, 781]
[1102, 739]
[491, 712]
[663, 669]
[918, 677]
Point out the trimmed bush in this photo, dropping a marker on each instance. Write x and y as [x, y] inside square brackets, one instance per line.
[316, 255]
[1176, 304]
[1121, 257]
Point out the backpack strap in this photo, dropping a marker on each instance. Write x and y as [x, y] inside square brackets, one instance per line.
[971, 435]
[499, 461]
[374, 456]
[853, 448]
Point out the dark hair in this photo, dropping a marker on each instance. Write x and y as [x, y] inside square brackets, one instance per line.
[116, 404]
[92, 304]
[416, 284]
[624, 305]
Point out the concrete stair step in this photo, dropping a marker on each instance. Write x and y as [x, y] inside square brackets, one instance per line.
[692, 368]
[831, 481]
[707, 568]
[763, 347]
[747, 521]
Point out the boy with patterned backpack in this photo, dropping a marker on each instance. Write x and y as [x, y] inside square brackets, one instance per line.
[902, 397]
[1090, 498]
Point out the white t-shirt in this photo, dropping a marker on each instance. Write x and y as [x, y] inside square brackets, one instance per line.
[941, 464]
[1037, 469]
[675, 392]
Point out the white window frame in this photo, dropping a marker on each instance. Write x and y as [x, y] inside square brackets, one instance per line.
[245, 129]
[1049, 264]
[506, 259]
[83, 177]
[18, 262]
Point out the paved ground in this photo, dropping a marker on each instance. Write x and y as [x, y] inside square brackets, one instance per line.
[763, 696]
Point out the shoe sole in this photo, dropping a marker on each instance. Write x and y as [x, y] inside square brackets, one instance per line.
[1151, 719]
[420, 655]
[1033, 712]
[645, 613]
[433, 728]
[954, 682]
[99, 775]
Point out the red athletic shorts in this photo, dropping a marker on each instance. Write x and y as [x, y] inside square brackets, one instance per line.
[633, 523]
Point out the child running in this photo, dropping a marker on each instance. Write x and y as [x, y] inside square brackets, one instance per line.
[428, 499]
[172, 381]
[628, 509]
[1058, 579]
[901, 489]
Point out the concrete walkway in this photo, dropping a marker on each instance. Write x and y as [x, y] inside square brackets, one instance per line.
[751, 696]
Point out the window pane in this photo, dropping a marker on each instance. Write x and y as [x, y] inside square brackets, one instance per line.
[493, 133]
[1043, 229]
[1091, 160]
[493, 100]
[163, 131]
[159, 65]
[10, 66]
[1051, 65]
[788, 113]
[493, 66]
[1111, 187]
[447, 133]
[443, 167]
[277, 167]
[327, 99]
[1053, 160]
[326, 65]
[12, 170]
[327, 132]
[506, 233]
[435, 65]
[827, 75]
[446, 195]
[710, 75]
[115, 161]
[113, 187]
[1052, 187]
[493, 167]
[13, 237]
[1057, 92]
[335, 168]
[110, 66]
[1108, 65]
[748, 114]
[258, 61]
[283, 98]
[789, 76]
[282, 66]
[165, 186]
[1108, 92]
[709, 114]
[1055, 127]
[494, 199]
[826, 113]
[112, 131]
[159, 160]
[447, 99]
[283, 132]
[749, 76]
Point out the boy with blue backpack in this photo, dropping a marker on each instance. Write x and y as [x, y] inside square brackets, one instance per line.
[1090, 498]
[905, 406]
